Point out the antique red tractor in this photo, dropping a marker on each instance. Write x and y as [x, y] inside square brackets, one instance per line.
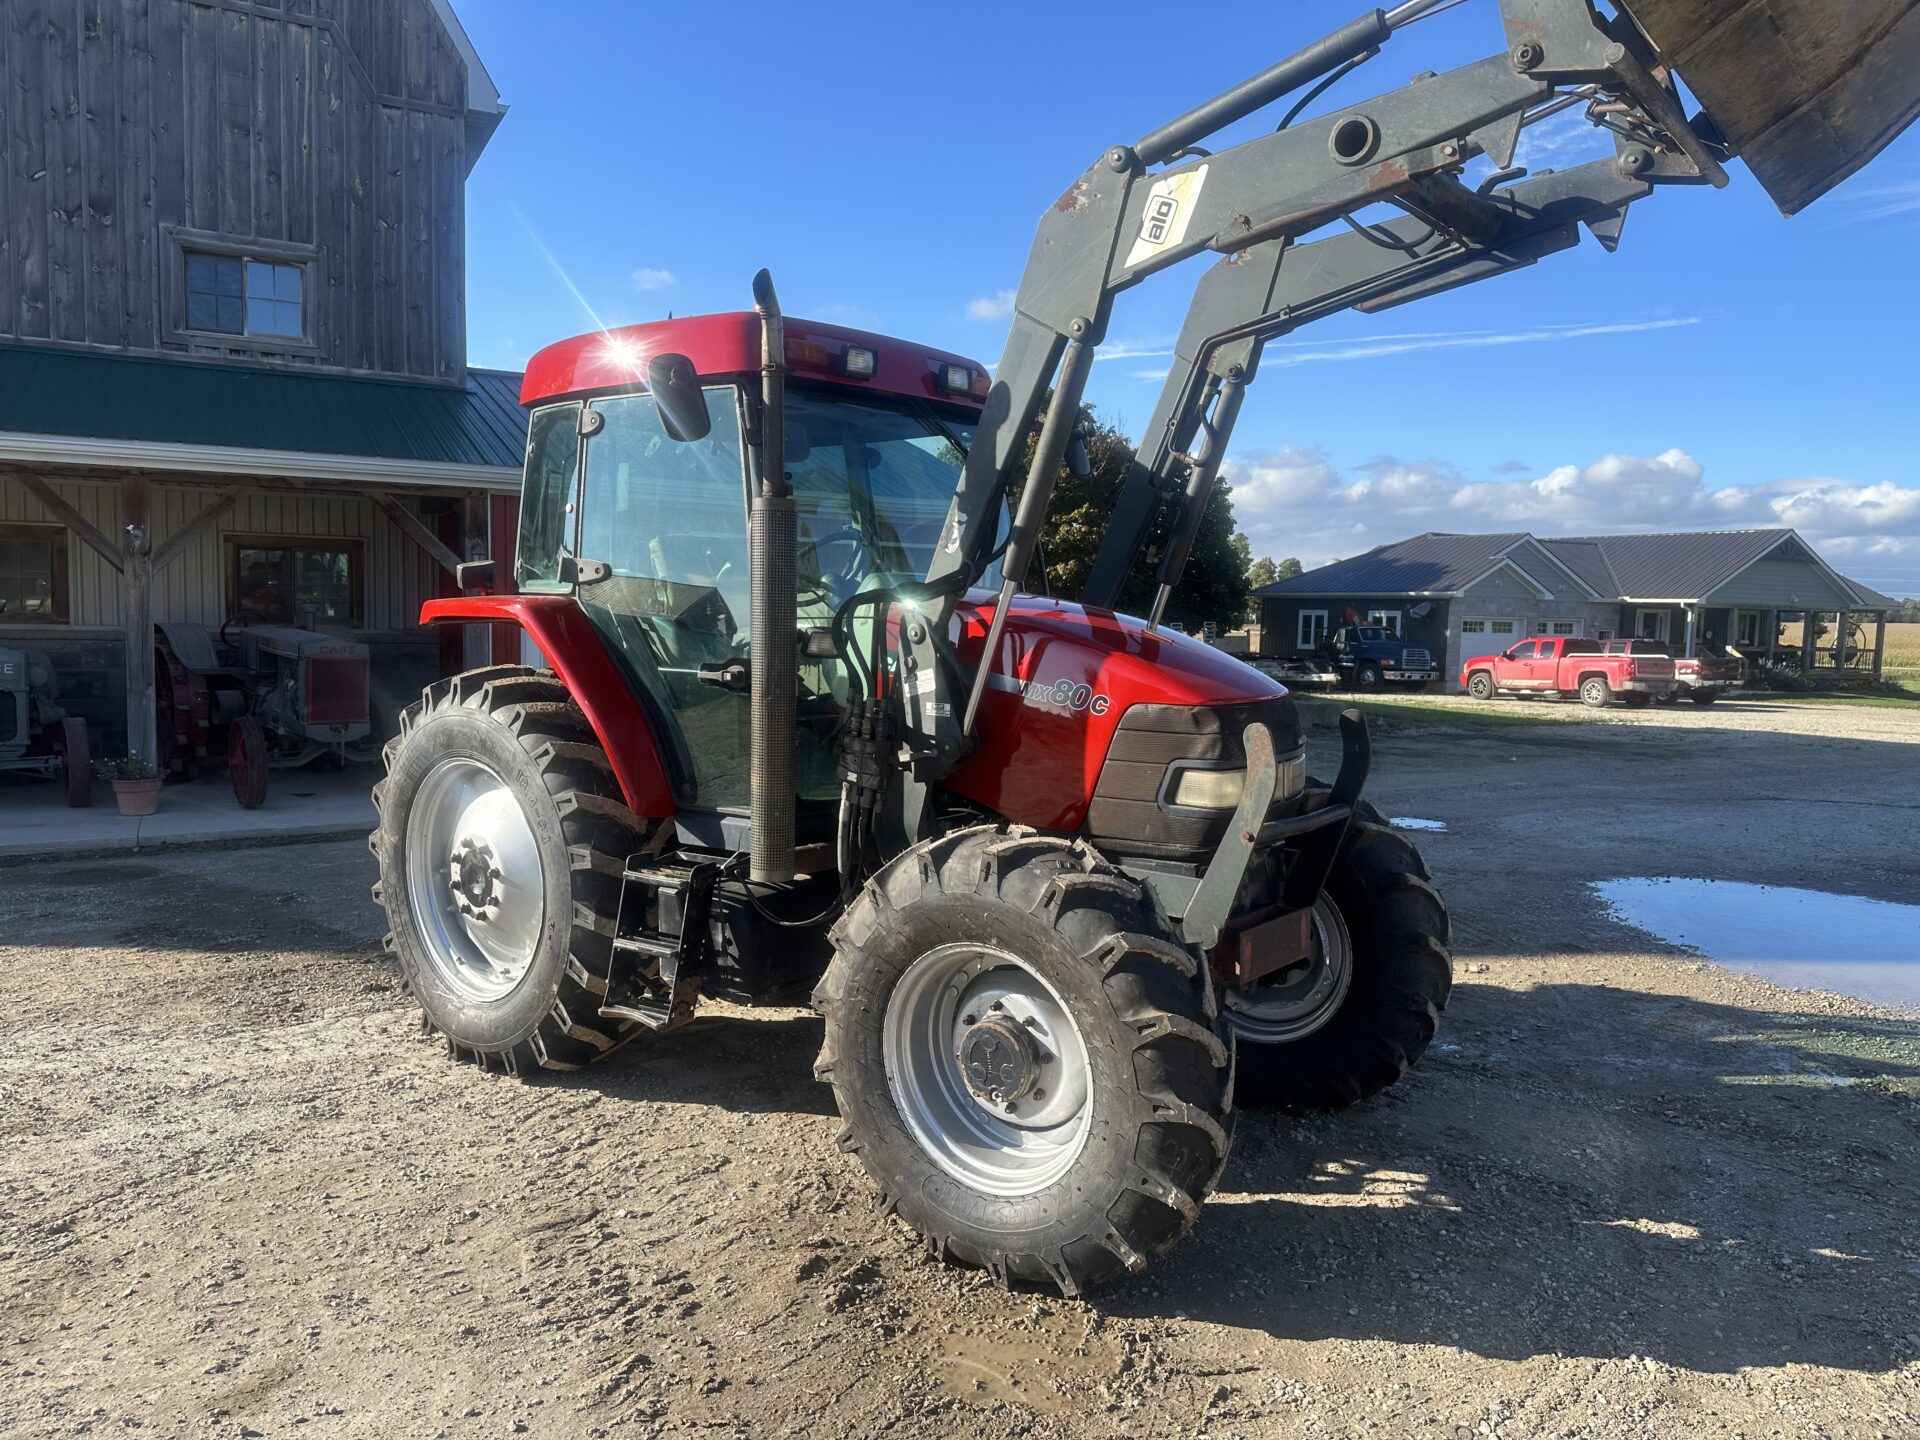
[1056, 876]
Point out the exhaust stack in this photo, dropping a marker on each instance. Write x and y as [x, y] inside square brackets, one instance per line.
[775, 661]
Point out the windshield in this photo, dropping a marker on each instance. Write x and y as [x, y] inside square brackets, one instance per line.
[872, 483]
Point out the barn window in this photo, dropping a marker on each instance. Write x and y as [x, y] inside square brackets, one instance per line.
[33, 574]
[1387, 620]
[239, 295]
[1747, 628]
[278, 581]
[1652, 624]
[1313, 629]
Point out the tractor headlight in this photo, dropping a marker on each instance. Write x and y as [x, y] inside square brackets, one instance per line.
[1197, 789]
[1209, 789]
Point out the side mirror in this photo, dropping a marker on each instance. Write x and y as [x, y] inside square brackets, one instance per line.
[473, 574]
[1079, 458]
[677, 397]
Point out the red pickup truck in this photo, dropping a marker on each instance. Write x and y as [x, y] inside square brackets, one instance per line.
[1595, 670]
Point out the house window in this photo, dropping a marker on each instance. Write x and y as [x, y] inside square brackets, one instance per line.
[1556, 627]
[1747, 629]
[237, 295]
[1502, 627]
[1312, 629]
[1652, 624]
[33, 574]
[1473, 627]
[294, 582]
[1387, 620]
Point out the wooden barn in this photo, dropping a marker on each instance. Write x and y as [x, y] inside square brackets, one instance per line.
[233, 363]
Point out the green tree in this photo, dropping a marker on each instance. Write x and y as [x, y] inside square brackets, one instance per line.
[1214, 584]
[1289, 568]
[1262, 572]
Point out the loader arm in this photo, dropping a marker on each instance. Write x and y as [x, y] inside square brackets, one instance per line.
[1123, 220]
[1277, 286]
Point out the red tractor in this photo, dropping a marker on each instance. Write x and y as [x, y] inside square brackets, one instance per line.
[1055, 876]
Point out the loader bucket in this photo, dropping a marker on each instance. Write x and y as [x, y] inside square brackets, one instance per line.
[1805, 91]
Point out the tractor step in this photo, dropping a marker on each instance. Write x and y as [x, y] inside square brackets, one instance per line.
[662, 939]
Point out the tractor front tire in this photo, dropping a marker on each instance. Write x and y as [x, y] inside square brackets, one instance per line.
[1329, 1040]
[502, 842]
[998, 957]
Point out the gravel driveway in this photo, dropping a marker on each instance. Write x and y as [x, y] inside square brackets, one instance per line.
[1766, 716]
[1628, 1194]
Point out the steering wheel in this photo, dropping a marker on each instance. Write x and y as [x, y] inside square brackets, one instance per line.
[860, 560]
[228, 624]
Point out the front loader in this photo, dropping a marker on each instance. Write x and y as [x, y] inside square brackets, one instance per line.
[1054, 876]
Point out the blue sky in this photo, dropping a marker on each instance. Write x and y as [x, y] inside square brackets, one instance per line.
[888, 162]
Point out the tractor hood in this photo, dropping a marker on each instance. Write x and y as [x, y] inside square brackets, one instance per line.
[1061, 687]
[1115, 655]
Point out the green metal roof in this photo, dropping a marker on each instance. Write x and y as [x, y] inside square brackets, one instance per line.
[171, 402]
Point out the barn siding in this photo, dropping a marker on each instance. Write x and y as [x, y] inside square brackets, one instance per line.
[397, 575]
[123, 117]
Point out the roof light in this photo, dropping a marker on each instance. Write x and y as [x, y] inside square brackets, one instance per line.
[956, 379]
[859, 362]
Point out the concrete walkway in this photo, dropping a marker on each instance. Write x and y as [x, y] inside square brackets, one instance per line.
[35, 821]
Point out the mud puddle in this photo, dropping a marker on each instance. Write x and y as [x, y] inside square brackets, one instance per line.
[1810, 939]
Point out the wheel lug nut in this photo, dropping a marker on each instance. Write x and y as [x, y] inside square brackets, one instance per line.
[969, 1019]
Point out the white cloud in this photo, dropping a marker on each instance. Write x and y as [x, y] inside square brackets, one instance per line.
[1296, 502]
[996, 306]
[1881, 202]
[654, 277]
[1375, 347]
[1134, 350]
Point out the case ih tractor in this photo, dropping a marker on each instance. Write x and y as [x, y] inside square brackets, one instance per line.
[1055, 877]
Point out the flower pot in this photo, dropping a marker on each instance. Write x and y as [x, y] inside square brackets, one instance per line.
[137, 797]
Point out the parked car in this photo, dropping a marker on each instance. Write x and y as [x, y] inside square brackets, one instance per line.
[1369, 656]
[1702, 677]
[1597, 671]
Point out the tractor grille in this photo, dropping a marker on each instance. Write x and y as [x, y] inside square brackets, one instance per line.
[1413, 658]
[1126, 816]
[336, 690]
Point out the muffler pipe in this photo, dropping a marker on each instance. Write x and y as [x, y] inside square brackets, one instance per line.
[774, 659]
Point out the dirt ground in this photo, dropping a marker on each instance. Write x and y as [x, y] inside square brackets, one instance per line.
[1628, 1194]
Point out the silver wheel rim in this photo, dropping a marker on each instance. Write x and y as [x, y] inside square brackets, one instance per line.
[1293, 1003]
[1594, 693]
[942, 1005]
[475, 882]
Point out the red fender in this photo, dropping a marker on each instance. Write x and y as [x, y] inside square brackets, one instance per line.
[578, 655]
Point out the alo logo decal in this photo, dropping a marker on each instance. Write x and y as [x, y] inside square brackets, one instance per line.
[1168, 212]
[1067, 694]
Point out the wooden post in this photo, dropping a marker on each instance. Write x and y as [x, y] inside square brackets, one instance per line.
[1809, 625]
[1773, 635]
[136, 568]
[1879, 646]
[1693, 615]
[1839, 639]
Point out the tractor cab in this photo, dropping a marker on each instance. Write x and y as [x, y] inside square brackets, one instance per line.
[648, 530]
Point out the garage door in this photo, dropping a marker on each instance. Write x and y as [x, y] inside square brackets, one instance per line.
[1486, 635]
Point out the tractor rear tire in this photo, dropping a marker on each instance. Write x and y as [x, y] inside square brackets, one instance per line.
[502, 841]
[1044, 931]
[1399, 977]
